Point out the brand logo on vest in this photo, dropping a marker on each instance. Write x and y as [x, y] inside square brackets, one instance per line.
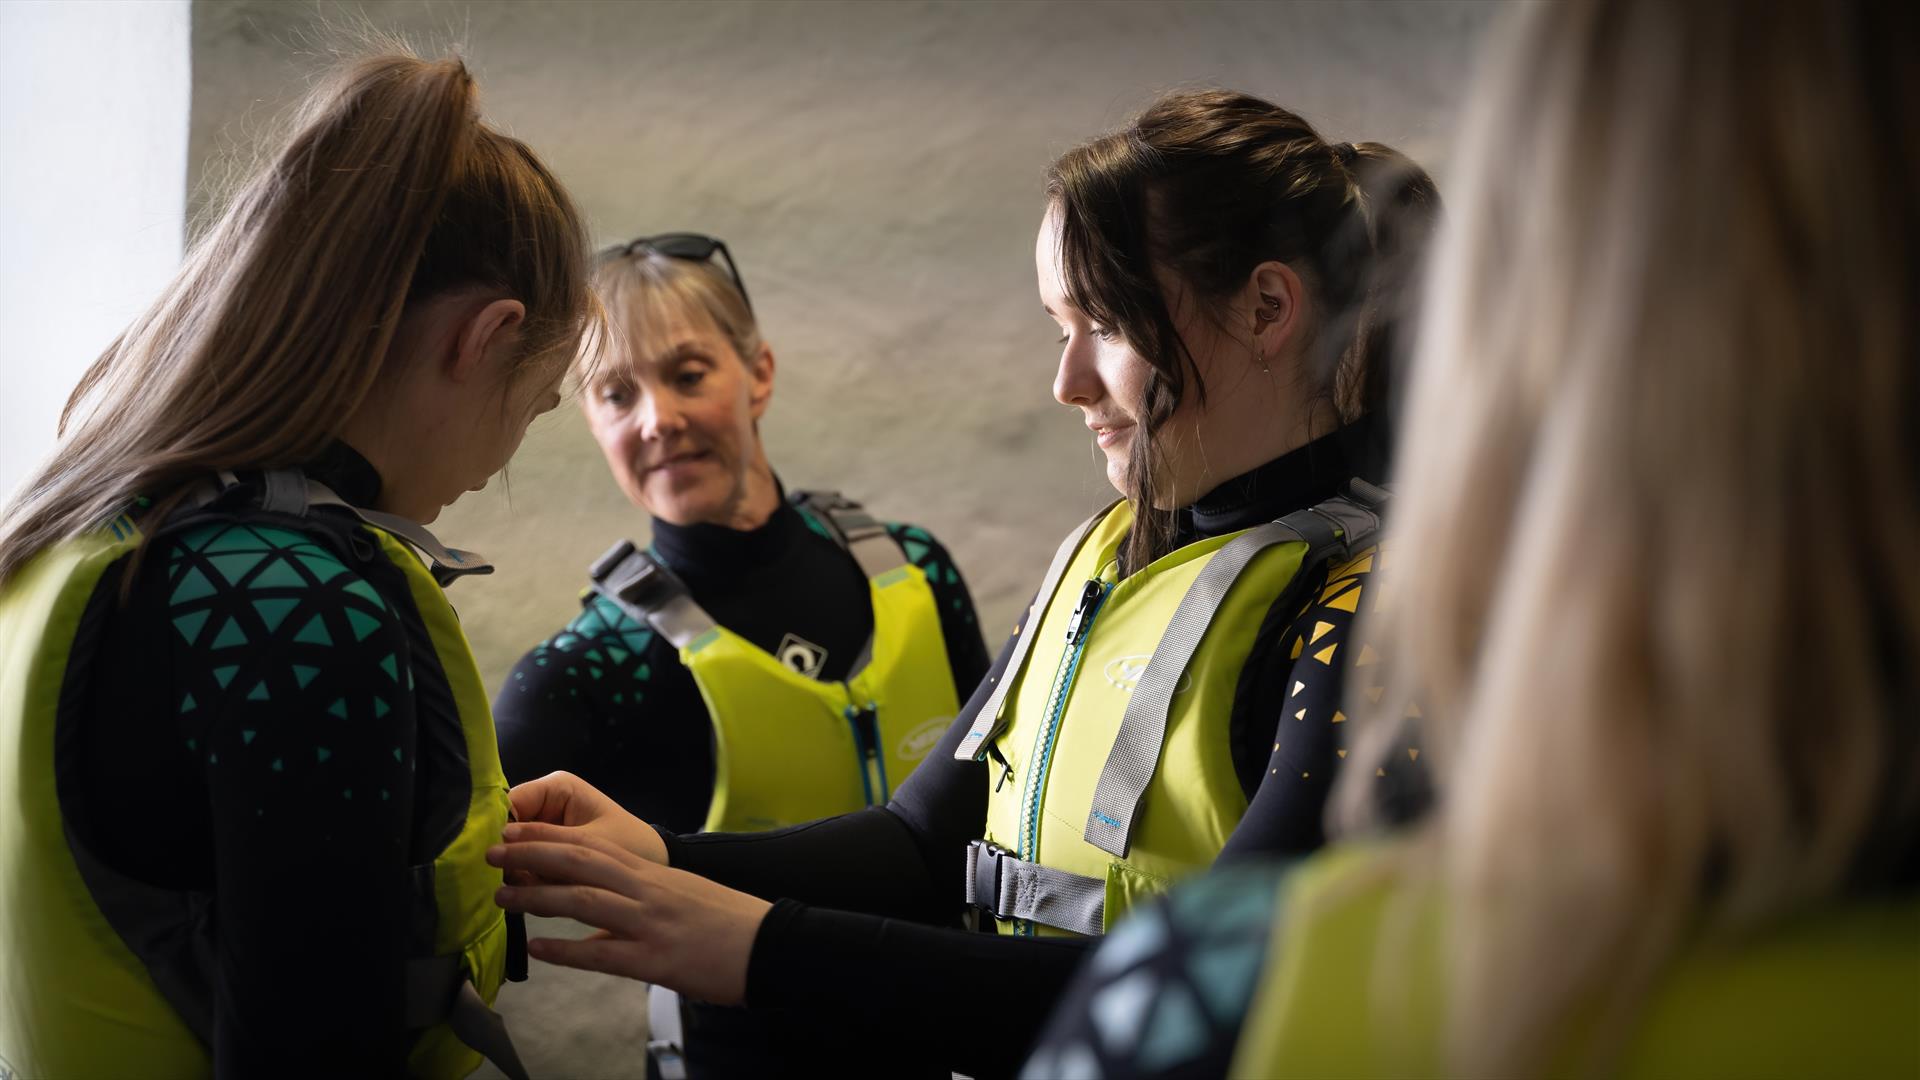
[916, 743]
[801, 656]
[1124, 673]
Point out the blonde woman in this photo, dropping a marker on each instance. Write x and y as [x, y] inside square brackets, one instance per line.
[1670, 392]
[246, 763]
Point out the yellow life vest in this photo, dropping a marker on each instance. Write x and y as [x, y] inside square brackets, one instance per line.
[100, 976]
[1115, 773]
[1834, 992]
[789, 748]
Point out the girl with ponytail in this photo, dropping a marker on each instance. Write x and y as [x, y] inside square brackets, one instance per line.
[1228, 285]
[247, 765]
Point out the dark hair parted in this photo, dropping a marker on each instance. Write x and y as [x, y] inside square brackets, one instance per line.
[1206, 185]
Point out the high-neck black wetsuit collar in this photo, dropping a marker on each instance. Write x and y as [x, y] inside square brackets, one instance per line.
[705, 550]
[1299, 478]
[347, 472]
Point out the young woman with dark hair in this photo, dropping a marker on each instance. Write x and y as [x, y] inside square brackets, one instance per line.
[1228, 285]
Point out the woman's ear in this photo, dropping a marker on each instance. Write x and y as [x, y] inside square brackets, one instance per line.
[760, 380]
[1276, 297]
[488, 332]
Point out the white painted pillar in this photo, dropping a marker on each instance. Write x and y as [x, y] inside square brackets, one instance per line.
[95, 100]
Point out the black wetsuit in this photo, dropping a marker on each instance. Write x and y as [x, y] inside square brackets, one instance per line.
[861, 954]
[607, 699]
[243, 729]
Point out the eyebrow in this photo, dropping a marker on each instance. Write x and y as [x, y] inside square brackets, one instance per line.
[685, 350]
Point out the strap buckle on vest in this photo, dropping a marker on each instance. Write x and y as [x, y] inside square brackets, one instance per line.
[649, 592]
[858, 532]
[1006, 886]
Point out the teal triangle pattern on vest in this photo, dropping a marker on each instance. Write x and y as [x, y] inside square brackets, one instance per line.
[338, 708]
[188, 705]
[224, 675]
[324, 567]
[314, 633]
[380, 708]
[230, 635]
[193, 586]
[363, 624]
[322, 753]
[280, 538]
[259, 691]
[189, 625]
[246, 737]
[391, 666]
[365, 591]
[273, 612]
[303, 674]
[236, 566]
[279, 574]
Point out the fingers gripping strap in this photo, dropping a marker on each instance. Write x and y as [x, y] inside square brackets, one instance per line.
[986, 722]
[649, 592]
[1143, 728]
[1009, 887]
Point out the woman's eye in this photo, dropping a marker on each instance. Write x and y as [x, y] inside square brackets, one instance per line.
[689, 379]
[1063, 339]
[614, 395]
[1105, 333]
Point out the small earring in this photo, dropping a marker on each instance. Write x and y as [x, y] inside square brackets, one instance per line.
[1260, 357]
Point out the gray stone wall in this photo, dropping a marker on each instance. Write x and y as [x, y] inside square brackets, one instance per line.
[876, 168]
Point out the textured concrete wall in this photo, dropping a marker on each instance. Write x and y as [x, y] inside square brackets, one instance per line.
[876, 168]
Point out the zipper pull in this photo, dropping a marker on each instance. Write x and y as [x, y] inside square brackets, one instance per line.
[1077, 623]
[993, 751]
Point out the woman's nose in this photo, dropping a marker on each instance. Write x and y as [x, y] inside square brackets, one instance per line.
[1076, 382]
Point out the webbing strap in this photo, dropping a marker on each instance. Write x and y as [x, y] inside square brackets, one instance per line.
[1009, 887]
[649, 592]
[289, 491]
[438, 991]
[1331, 530]
[986, 722]
[665, 1039]
[864, 537]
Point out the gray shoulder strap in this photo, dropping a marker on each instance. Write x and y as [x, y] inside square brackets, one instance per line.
[863, 536]
[1331, 530]
[289, 491]
[986, 722]
[649, 592]
[447, 564]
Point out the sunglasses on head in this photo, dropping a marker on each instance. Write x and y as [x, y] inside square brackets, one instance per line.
[691, 246]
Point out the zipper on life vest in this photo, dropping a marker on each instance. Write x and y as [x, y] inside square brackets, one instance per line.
[1093, 595]
[865, 723]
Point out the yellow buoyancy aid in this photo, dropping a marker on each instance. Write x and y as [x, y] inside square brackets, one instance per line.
[1832, 992]
[1114, 769]
[97, 980]
[790, 748]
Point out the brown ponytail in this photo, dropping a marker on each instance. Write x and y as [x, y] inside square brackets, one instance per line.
[1209, 184]
[278, 325]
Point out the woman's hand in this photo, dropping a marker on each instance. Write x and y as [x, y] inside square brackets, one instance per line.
[657, 924]
[562, 808]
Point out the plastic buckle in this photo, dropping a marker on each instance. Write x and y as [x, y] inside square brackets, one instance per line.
[986, 877]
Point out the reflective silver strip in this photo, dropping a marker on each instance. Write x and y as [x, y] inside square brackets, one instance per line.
[1038, 893]
[986, 722]
[664, 1037]
[1331, 530]
[648, 592]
